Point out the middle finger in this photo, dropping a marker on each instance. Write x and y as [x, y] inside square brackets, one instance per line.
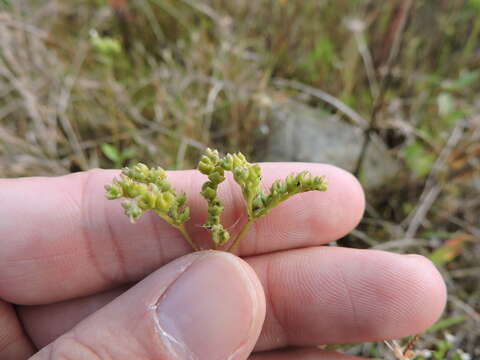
[319, 295]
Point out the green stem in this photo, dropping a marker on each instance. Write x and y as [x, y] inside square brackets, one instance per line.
[470, 45]
[242, 233]
[188, 238]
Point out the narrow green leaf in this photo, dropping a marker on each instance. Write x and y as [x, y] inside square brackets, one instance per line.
[446, 323]
[111, 152]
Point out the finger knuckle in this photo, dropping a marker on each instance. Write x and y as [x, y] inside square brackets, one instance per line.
[71, 348]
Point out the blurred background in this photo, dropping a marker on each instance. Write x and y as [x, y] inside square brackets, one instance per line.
[385, 89]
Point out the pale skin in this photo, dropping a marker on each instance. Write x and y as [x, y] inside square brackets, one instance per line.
[79, 281]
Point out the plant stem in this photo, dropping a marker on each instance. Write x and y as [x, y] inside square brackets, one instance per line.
[378, 102]
[469, 47]
[188, 238]
[240, 235]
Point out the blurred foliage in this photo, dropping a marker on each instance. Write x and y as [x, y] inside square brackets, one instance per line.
[447, 323]
[117, 156]
[449, 250]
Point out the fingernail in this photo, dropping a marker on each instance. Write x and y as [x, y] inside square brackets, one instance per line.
[208, 312]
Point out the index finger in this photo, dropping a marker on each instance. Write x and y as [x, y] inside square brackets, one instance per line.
[60, 238]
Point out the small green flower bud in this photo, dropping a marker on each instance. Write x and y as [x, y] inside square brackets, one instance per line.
[164, 186]
[141, 171]
[212, 154]
[173, 213]
[254, 174]
[205, 168]
[216, 177]
[208, 193]
[320, 183]
[215, 210]
[134, 190]
[156, 175]
[290, 182]
[275, 186]
[240, 159]
[258, 202]
[126, 204]
[219, 235]
[154, 188]
[184, 216]
[303, 177]
[206, 160]
[113, 192]
[227, 162]
[240, 174]
[181, 199]
[131, 210]
[147, 201]
[165, 202]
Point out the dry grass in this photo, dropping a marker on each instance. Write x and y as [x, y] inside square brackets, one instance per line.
[171, 77]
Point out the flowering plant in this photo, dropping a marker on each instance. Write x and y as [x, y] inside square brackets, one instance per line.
[147, 188]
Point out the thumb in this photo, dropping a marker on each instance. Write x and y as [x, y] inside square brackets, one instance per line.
[206, 305]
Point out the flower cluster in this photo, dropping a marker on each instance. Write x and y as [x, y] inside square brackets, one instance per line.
[148, 189]
[248, 177]
[209, 165]
[281, 190]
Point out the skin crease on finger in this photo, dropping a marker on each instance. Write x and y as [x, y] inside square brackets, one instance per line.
[280, 228]
[388, 296]
[76, 243]
[14, 344]
[170, 314]
[303, 354]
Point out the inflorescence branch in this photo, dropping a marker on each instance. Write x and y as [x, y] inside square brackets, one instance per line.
[148, 189]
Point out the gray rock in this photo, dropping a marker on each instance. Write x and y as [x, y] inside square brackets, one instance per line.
[297, 132]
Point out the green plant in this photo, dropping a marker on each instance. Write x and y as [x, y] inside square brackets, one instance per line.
[106, 47]
[444, 350]
[116, 155]
[148, 189]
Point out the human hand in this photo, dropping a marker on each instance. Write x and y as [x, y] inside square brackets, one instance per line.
[87, 284]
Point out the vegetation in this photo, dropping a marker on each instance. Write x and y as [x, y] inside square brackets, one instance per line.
[149, 189]
[96, 83]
